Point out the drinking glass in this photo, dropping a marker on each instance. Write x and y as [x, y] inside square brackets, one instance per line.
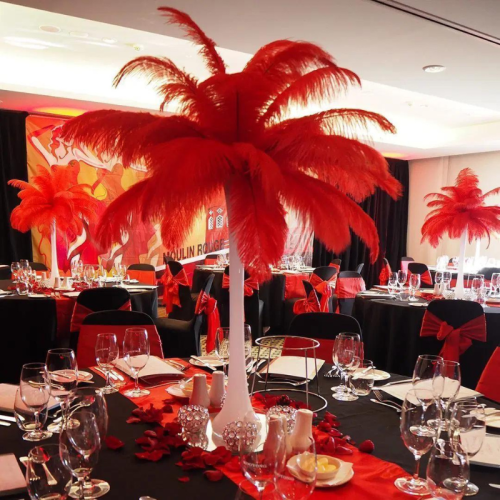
[447, 470]
[22, 287]
[393, 283]
[89, 274]
[122, 273]
[414, 286]
[25, 263]
[427, 368]
[362, 379]
[79, 448]
[14, 269]
[63, 374]
[438, 277]
[102, 274]
[222, 347]
[25, 419]
[402, 278]
[346, 349]
[46, 475]
[292, 482]
[136, 355]
[106, 353]
[468, 427]
[495, 284]
[34, 388]
[419, 443]
[91, 400]
[449, 382]
[476, 285]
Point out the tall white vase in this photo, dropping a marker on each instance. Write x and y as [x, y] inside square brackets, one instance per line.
[459, 287]
[237, 405]
[54, 267]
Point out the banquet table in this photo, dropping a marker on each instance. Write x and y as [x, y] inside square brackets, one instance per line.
[131, 478]
[391, 333]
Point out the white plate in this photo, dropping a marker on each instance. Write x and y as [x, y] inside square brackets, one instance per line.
[38, 296]
[294, 471]
[493, 421]
[380, 375]
[176, 391]
[211, 360]
[85, 376]
[417, 304]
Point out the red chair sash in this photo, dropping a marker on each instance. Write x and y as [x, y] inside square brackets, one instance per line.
[80, 312]
[489, 384]
[456, 341]
[294, 289]
[336, 266]
[325, 288]
[211, 262]
[348, 288]
[384, 274]
[208, 306]
[85, 353]
[146, 277]
[171, 288]
[249, 285]
[310, 304]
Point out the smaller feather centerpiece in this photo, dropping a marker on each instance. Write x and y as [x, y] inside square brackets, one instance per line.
[461, 212]
[53, 201]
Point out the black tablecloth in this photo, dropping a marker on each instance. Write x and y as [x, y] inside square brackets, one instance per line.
[391, 332]
[131, 478]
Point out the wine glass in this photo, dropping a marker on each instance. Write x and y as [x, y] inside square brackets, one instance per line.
[136, 355]
[346, 349]
[438, 277]
[477, 284]
[106, 353]
[402, 278]
[495, 284]
[79, 448]
[34, 388]
[413, 414]
[427, 367]
[46, 475]
[14, 269]
[468, 426]
[25, 263]
[222, 347]
[393, 283]
[63, 374]
[414, 286]
[25, 419]
[91, 400]
[295, 472]
[449, 382]
[89, 274]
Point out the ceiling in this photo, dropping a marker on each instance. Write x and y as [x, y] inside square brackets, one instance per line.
[454, 112]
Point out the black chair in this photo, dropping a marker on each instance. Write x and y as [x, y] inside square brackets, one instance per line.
[211, 257]
[188, 301]
[456, 313]
[182, 338]
[423, 270]
[346, 295]
[141, 267]
[337, 262]
[489, 271]
[145, 273]
[38, 266]
[167, 258]
[359, 269]
[253, 308]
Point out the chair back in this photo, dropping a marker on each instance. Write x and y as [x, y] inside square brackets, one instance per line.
[167, 258]
[144, 273]
[336, 263]
[488, 272]
[349, 284]
[5, 273]
[211, 259]
[325, 274]
[404, 263]
[185, 311]
[383, 277]
[489, 384]
[323, 327]
[197, 321]
[423, 270]
[359, 269]
[115, 322]
[38, 266]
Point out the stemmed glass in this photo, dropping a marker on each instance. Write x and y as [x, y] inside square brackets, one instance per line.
[447, 384]
[79, 448]
[413, 413]
[89, 274]
[25, 263]
[393, 283]
[63, 375]
[468, 426]
[346, 351]
[495, 284]
[91, 400]
[476, 286]
[34, 388]
[46, 475]
[25, 419]
[414, 286]
[136, 355]
[222, 347]
[292, 482]
[106, 353]
[14, 269]
[402, 278]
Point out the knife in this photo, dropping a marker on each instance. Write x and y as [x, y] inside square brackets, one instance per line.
[204, 363]
[5, 424]
[395, 383]
[6, 417]
[495, 486]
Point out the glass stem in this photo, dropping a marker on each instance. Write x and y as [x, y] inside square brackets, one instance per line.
[416, 474]
[81, 489]
[137, 382]
[108, 382]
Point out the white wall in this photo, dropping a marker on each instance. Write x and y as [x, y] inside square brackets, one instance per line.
[428, 176]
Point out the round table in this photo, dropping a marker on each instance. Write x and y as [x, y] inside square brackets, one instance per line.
[391, 333]
[131, 478]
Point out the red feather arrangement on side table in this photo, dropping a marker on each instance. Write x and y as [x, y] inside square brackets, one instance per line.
[461, 212]
[52, 201]
[233, 132]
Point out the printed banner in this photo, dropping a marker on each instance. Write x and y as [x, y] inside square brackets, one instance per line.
[108, 179]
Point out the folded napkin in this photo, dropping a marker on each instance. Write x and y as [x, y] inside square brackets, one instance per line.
[5, 292]
[8, 396]
[399, 391]
[293, 367]
[11, 477]
[71, 294]
[489, 454]
[155, 366]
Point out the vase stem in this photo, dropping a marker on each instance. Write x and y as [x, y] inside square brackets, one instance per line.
[54, 267]
[459, 287]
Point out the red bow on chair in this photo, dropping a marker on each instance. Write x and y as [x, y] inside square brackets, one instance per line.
[208, 306]
[324, 287]
[309, 305]
[171, 288]
[385, 274]
[80, 312]
[456, 341]
[425, 277]
[249, 285]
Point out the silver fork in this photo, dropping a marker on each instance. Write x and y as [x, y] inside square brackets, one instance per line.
[287, 382]
[380, 397]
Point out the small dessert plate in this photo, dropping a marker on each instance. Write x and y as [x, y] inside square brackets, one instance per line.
[492, 417]
[211, 360]
[343, 476]
[176, 391]
[85, 376]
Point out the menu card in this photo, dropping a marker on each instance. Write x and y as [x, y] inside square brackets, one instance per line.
[8, 396]
[489, 454]
[11, 477]
[293, 367]
[399, 391]
[154, 366]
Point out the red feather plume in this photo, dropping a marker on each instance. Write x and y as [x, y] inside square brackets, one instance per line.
[461, 208]
[231, 133]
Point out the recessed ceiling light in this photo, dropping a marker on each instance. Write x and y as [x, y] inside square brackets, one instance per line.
[434, 68]
[109, 40]
[50, 29]
[79, 34]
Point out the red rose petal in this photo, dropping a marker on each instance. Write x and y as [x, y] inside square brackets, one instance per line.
[133, 420]
[183, 479]
[113, 443]
[213, 475]
[367, 446]
[152, 456]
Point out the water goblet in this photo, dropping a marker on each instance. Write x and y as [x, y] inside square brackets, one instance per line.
[25, 420]
[106, 353]
[346, 351]
[402, 278]
[414, 286]
[136, 355]
[362, 379]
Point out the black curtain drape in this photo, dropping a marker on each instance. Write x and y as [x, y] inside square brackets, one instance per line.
[391, 219]
[13, 165]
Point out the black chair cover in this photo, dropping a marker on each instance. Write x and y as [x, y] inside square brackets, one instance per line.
[38, 266]
[419, 268]
[186, 311]
[118, 318]
[142, 267]
[489, 271]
